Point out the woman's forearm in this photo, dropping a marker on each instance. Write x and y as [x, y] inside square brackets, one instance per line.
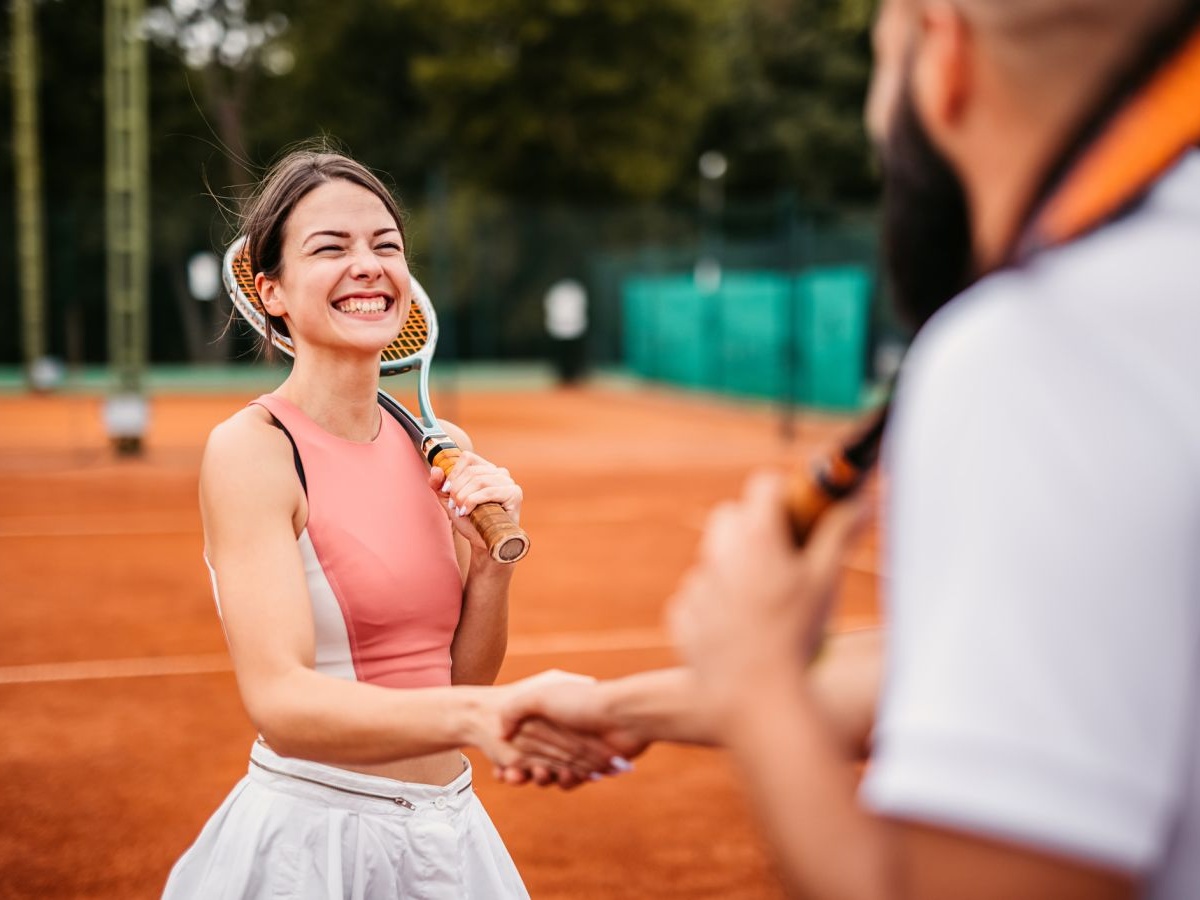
[309, 715]
[481, 639]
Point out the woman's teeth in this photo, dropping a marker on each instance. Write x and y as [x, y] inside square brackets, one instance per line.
[363, 306]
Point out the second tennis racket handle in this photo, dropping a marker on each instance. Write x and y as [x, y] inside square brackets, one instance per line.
[506, 540]
[812, 492]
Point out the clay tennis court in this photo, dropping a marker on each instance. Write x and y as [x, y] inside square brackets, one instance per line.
[122, 728]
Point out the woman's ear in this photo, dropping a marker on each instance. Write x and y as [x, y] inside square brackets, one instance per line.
[269, 294]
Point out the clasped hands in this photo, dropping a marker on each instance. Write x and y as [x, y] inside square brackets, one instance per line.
[551, 729]
[751, 609]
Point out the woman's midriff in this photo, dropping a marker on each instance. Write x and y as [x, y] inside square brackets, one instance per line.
[436, 768]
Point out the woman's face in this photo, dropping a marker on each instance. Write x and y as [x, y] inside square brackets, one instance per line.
[344, 281]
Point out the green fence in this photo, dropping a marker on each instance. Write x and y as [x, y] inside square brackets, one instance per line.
[799, 338]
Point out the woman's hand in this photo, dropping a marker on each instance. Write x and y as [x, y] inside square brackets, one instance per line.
[473, 481]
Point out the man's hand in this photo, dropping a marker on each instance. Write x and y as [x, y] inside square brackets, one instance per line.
[754, 606]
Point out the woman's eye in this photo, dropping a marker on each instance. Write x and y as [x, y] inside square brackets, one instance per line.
[328, 248]
[389, 245]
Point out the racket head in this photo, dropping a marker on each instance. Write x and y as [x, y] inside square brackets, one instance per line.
[411, 349]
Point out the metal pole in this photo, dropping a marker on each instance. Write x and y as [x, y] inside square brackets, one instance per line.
[27, 165]
[127, 207]
[791, 317]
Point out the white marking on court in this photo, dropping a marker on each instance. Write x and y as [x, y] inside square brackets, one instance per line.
[99, 669]
[551, 643]
[96, 526]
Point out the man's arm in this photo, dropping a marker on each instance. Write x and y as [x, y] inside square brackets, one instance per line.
[636, 710]
[796, 770]
[805, 792]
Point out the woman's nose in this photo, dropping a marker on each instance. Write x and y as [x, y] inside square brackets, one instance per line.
[364, 264]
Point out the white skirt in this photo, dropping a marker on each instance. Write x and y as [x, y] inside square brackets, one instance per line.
[298, 830]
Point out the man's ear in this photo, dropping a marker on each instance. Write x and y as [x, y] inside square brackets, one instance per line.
[268, 293]
[891, 38]
[942, 76]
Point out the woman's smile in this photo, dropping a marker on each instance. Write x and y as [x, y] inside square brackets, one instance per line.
[364, 304]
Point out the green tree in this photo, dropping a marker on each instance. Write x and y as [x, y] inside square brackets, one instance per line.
[569, 98]
[792, 119]
[553, 104]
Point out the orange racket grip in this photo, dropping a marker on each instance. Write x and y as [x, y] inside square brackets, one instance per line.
[505, 539]
[811, 494]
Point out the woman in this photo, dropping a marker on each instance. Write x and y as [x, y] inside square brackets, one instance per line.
[364, 628]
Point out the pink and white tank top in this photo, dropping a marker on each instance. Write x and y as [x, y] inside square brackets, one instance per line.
[378, 552]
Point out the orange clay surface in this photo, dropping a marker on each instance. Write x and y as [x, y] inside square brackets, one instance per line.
[121, 725]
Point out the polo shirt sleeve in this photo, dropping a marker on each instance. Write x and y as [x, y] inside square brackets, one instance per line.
[1042, 603]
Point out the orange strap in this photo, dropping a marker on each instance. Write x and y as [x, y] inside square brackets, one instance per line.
[1140, 143]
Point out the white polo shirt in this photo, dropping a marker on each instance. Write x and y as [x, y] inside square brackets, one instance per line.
[1043, 675]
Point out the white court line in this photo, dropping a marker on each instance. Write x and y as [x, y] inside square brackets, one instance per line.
[98, 669]
[101, 532]
[523, 645]
[553, 643]
[96, 526]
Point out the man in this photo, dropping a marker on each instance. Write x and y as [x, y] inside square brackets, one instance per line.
[1037, 729]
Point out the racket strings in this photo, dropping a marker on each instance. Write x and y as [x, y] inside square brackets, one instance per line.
[409, 342]
[412, 337]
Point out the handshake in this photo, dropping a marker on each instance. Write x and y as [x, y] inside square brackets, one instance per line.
[562, 729]
[559, 728]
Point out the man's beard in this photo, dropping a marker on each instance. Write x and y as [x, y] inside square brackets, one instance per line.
[926, 222]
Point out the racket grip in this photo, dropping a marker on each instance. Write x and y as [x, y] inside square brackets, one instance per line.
[506, 541]
[811, 493]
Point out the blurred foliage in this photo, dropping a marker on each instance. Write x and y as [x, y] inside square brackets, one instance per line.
[485, 104]
[794, 115]
[567, 98]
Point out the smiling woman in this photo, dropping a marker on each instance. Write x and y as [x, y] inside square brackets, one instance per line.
[289, 184]
[343, 283]
[365, 617]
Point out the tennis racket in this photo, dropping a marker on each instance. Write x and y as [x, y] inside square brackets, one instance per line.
[411, 350]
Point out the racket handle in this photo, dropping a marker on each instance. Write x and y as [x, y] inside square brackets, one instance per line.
[811, 493]
[506, 540]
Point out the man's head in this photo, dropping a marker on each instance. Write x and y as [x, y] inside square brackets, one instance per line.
[971, 104]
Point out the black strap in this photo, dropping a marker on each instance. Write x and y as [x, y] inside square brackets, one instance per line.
[295, 452]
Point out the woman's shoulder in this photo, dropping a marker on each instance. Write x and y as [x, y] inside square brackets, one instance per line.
[250, 425]
[242, 443]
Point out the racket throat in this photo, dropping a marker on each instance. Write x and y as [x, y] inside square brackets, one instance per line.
[439, 450]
